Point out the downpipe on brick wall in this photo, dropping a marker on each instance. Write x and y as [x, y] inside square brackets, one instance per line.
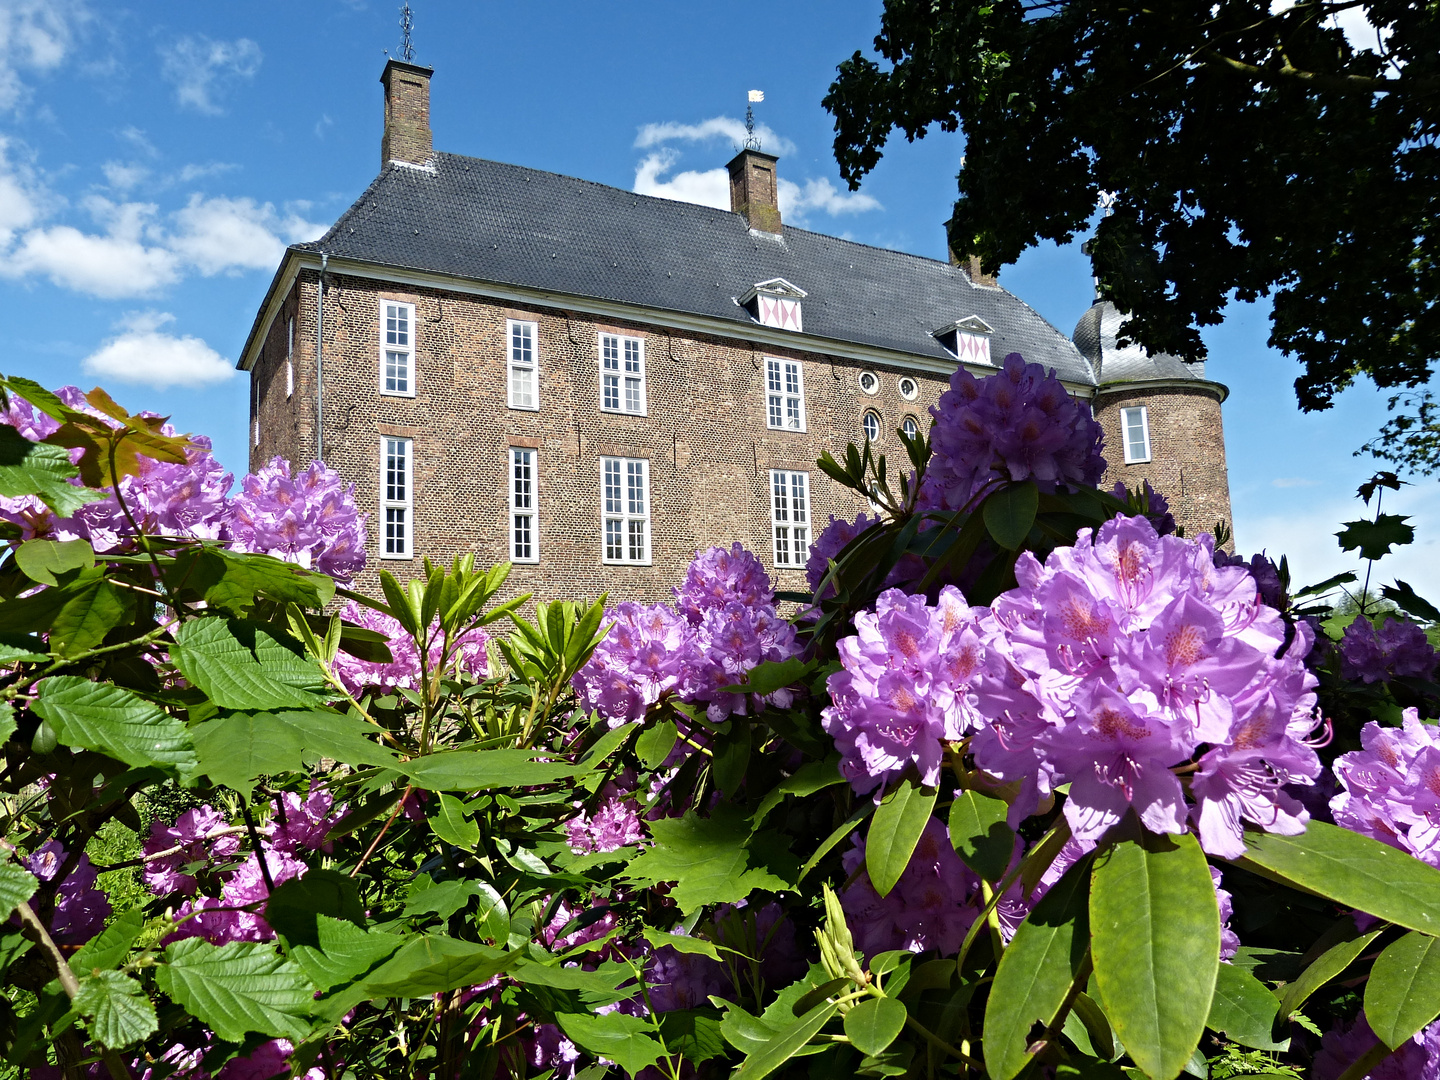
[320, 362]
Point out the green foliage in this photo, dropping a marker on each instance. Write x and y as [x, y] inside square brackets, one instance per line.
[117, 1009]
[114, 721]
[1374, 539]
[238, 988]
[895, 830]
[1243, 1010]
[980, 834]
[713, 860]
[1403, 993]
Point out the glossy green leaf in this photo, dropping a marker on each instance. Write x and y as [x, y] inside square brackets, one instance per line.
[243, 664]
[237, 988]
[1403, 992]
[476, 770]
[236, 581]
[343, 951]
[626, 1040]
[87, 617]
[18, 648]
[1010, 512]
[899, 820]
[17, 885]
[442, 898]
[110, 947]
[117, 1009]
[732, 756]
[294, 906]
[28, 468]
[770, 676]
[432, 963]
[680, 943]
[785, 1044]
[874, 1024]
[1243, 1010]
[451, 825]
[1353, 870]
[114, 721]
[654, 744]
[811, 777]
[1331, 963]
[239, 747]
[980, 835]
[1037, 971]
[1155, 945]
[714, 859]
[693, 1034]
[41, 560]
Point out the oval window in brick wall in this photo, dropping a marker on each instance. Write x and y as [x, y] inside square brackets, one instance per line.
[871, 423]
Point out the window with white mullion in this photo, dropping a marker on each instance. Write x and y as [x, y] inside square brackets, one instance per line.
[1135, 434]
[290, 358]
[784, 395]
[625, 510]
[622, 374]
[790, 517]
[397, 348]
[524, 538]
[523, 365]
[397, 498]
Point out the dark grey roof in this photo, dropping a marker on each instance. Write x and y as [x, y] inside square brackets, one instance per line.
[487, 221]
[1095, 337]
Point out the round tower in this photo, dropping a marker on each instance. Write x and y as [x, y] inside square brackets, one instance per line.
[1162, 423]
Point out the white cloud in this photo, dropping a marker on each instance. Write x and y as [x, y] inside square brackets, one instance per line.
[821, 194]
[201, 67]
[710, 188]
[717, 127]
[110, 265]
[35, 35]
[124, 175]
[194, 172]
[220, 234]
[18, 207]
[142, 353]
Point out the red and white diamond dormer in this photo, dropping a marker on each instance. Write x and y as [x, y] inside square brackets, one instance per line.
[968, 339]
[775, 303]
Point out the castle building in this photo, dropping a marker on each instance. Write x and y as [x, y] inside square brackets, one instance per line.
[593, 384]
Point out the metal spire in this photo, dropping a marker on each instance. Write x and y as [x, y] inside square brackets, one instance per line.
[407, 24]
[752, 142]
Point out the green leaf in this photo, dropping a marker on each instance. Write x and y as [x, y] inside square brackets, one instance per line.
[770, 676]
[344, 952]
[680, 943]
[237, 988]
[1037, 971]
[617, 1037]
[7, 721]
[713, 860]
[476, 770]
[235, 581]
[1403, 993]
[980, 834]
[240, 746]
[17, 648]
[119, 1012]
[1244, 1010]
[242, 664]
[811, 777]
[442, 898]
[899, 820]
[654, 744]
[1155, 944]
[732, 756]
[114, 721]
[1404, 597]
[450, 824]
[1376, 538]
[17, 885]
[874, 1024]
[295, 905]
[596, 988]
[41, 560]
[1331, 963]
[1353, 870]
[431, 964]
[110, 947]
[1010, 512]
[785, 1044]
[693, 1034]
[87, 617]
[28, 468]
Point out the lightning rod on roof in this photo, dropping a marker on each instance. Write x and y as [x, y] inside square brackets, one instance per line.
[407, 25]
[752, 142]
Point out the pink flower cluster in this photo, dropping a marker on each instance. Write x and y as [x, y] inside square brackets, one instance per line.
[309, 519]
[80, 907]
[614, 825]
[472, 656]
[830, 543]
[1418, 1058]
[726, 624]
[1392, 787]
[199, 837]
[1018, 424]
[907, 687]
[1396, 649]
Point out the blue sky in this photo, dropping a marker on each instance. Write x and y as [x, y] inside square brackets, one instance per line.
[156, 158]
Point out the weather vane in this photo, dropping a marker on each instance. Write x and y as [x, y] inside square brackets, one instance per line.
[751, 141]
[407, 24]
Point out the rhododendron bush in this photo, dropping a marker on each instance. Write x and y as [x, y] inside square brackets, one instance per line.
[1024, 783]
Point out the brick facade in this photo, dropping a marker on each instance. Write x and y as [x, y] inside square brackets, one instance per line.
[407, 135]
[705, 435]
[1187, 450]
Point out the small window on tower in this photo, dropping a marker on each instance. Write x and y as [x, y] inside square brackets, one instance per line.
[524, 543]
[625, 510]
[869, 382]
[909, 388]
[397, 499]
[910, 426]
[622, 374]
[871, 423]
[784, 395]
[524, 366]
[1135, 425]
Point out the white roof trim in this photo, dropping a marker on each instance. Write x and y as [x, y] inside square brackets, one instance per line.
[774, 287]
[970, 324]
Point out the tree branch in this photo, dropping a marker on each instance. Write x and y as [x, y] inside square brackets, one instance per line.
[1350, 84]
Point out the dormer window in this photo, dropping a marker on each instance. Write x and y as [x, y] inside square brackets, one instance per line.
[967, 339]
[775, 303]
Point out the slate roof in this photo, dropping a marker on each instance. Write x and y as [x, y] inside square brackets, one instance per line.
[1095, 337]
[509, 225]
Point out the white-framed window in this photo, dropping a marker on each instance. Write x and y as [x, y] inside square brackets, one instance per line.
[397, 348]
[524, 538]
[784, 395]
[255, 433]
[908, 387]
[1135, 433]
[622, 374]
[290, 357]
[397, 497]
[790, 517]
[910, 426]
[524, 364]
[869, 382]
[870, 422]
[625, 502]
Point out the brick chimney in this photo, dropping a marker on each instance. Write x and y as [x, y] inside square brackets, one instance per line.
[969, 263]
[407, 114]
[753, 189]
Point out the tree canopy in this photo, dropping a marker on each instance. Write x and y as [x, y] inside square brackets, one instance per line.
[1249, 152]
